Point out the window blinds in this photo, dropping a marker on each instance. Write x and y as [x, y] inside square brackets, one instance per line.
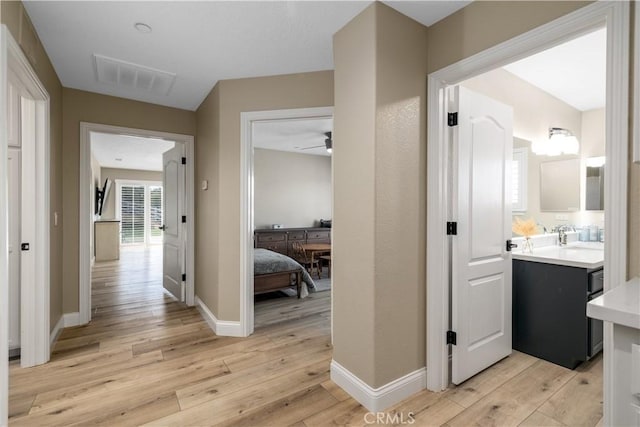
[132, 214]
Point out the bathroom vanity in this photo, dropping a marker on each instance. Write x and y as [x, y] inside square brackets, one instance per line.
[621, 307]
[551, 289]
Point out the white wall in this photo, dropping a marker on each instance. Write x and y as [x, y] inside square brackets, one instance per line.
[535, 111]
[95, 182]
[109, 210]
[291, 189]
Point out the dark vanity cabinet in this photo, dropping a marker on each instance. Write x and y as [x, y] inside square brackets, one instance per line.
[549, 312]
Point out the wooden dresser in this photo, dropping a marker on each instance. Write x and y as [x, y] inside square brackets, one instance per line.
[280, 240]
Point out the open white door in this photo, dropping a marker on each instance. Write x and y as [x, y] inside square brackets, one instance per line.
[173, 261]
[481, 264]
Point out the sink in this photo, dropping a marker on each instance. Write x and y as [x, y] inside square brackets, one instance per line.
[577, 254]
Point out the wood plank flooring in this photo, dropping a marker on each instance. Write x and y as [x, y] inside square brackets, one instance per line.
[147, 360]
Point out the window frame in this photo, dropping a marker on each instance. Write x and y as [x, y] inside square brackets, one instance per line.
[521, 155]
[147, 220]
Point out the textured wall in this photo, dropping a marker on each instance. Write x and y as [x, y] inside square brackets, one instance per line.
[218, 149]
[379, 247]
[80, 106]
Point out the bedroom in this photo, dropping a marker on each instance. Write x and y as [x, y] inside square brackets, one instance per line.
[292, 219]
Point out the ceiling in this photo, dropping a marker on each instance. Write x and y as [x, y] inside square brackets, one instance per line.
[133, 152]
[200, 42]
[303, 136]
[574, 72]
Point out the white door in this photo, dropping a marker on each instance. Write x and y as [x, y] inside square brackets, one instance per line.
[14, 247]
[481, 264]
[173, 180]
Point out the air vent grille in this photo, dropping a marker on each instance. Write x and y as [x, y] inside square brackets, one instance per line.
[133, 76]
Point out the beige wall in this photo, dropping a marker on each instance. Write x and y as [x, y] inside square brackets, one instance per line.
[12, 14]
[292, 189]
[109, 211]
[207, 202]
[218, 160]
[379, 216]
[483, 24]
[534, 112]
[95, 108]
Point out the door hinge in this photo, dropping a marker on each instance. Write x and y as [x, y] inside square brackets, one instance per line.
[184, 219]
[451, 337]
[452, 119]
[184, 160]
[184, 277]
[452, 228]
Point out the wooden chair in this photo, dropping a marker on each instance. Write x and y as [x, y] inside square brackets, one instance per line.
[300, 255]
[328, 259]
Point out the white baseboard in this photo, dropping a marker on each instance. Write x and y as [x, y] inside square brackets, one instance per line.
[56, 332]
[223, 328]
[72, 319]
[381, 398]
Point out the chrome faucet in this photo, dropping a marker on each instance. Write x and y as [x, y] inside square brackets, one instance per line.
[562, 235]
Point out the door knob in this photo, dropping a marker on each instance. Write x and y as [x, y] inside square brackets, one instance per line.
[510, 245]
[162, 227]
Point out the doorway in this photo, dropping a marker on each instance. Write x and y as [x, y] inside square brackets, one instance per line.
[248, 119]
[292, 218]
[136, 206]
[615, 17]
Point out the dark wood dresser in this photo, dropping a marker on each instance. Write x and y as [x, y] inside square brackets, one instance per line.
[280, 240]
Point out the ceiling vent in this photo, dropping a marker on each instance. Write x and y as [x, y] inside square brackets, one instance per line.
[133, 76]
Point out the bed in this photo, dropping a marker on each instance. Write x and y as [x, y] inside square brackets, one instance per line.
[273, 272]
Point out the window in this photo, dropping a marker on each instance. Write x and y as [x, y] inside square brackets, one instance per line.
[519, 180]
[140, 212]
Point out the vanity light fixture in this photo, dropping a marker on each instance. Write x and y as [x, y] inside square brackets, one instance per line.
[561, 141]
[328, 143]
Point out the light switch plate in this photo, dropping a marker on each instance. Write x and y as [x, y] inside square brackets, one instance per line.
[205, 184]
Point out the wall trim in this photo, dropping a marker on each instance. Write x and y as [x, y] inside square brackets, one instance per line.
[223, 328]
[72, 319]
[86, 213]
[616, 16]
[57, 330]
[381, 398]
[246, 199]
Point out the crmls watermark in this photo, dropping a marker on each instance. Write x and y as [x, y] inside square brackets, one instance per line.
[397, 418]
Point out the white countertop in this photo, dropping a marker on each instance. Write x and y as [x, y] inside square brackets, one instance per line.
[620, 305]
[578, 254]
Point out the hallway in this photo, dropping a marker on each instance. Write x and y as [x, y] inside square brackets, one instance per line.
[147, 359]
[145, 356]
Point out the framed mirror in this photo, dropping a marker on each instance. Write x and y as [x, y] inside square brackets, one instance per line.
[560, 186]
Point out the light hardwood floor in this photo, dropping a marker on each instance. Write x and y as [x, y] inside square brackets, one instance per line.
[146, 359]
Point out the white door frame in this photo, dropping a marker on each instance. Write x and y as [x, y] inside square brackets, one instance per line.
[35, 333]
[616, 17]
[246, 199]
[86, 212]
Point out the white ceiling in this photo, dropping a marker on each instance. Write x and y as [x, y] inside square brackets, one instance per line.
[303, 136]
[201, 42]
[574, 72]
[134, 152]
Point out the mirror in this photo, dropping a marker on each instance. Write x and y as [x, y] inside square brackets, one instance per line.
[594, 192]
[560, 186]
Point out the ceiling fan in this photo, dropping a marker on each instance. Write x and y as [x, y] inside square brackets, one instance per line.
[328, 143]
